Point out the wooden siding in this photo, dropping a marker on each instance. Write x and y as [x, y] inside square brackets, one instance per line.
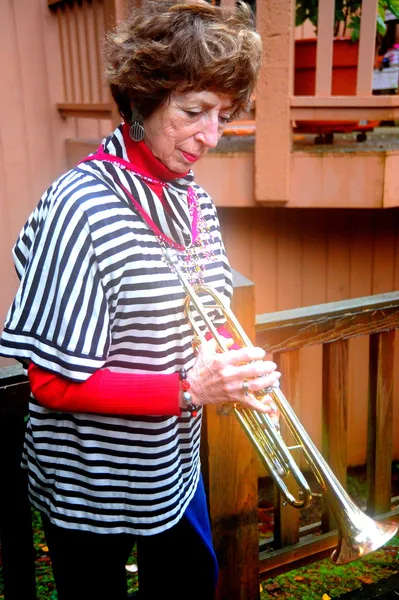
[32, 133]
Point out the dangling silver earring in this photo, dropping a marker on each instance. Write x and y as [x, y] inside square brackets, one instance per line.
[136, 129]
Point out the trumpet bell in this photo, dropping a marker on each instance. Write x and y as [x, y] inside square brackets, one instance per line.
[362, 536]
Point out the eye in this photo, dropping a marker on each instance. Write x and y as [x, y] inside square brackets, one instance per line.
[192, 113]
[224, 119]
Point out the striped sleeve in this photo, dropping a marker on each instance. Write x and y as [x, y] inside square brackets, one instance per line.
[59, 318]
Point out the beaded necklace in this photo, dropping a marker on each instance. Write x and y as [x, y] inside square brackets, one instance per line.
[192, 257]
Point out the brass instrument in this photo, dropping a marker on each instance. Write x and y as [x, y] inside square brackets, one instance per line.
[358, 533]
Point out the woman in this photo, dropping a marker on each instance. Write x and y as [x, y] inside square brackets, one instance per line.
[112, 445]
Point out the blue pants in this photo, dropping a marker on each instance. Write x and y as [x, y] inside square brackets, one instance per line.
[179, 563]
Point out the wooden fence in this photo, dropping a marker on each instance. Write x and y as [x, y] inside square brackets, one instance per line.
[230, 463]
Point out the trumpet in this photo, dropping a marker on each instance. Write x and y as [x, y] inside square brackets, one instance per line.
[358, 534]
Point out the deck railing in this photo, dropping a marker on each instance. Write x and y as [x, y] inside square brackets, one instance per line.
[230, 463]
[83, 24]
[277, 107]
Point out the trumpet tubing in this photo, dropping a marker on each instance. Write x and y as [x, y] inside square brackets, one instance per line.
[359, 534]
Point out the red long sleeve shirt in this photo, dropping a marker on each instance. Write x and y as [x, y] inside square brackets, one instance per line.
[108, 392]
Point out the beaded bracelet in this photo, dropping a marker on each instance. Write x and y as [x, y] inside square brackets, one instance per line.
[185, 386]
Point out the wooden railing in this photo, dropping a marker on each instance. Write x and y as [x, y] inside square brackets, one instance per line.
[230, 463]
[277, 107]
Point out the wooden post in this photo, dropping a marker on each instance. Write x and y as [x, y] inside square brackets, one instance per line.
[230, 471]
[15, 513]
[366, 48]
[324, 55]
[273, 141]
[379, 450]
[335, 413]
[286, 518]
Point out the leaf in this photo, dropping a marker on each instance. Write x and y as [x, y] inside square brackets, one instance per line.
[325, 597]
[393, 6]
[366, 580]
[299, 578]
[272, 586]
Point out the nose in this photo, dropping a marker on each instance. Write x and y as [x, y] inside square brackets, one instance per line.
[209, 133]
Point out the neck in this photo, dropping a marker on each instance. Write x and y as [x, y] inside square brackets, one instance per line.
[144, 160]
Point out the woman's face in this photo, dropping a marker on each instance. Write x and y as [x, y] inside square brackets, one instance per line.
[182, 130]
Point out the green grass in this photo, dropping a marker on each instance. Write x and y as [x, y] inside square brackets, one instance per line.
[45, 587]
[307, 583]
[313, 581]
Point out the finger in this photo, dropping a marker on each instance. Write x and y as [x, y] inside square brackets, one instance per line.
[255, 368]
[264, 383]
[244, 355]
[260, 405]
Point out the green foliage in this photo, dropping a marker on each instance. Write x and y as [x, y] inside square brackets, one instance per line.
[347, 14]
[323, 579]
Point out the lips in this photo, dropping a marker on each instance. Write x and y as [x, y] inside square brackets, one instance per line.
[190, 157]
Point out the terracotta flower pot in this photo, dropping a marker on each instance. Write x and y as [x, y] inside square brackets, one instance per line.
[345, 59]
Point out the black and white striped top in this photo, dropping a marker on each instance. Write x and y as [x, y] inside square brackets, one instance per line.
[95, 292]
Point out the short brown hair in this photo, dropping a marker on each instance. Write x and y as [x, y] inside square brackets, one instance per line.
[168, 46]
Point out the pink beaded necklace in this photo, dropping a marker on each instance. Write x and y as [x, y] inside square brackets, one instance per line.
[194, 256]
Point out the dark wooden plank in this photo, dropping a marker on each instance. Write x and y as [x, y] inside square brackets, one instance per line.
[16, 537]
[55, 3]
[307, 551]
[230, 475]
[379, 454]
[292, 329]
[286, 518]
[335, 414]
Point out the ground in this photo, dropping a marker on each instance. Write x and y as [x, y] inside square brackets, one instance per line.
[320, 580]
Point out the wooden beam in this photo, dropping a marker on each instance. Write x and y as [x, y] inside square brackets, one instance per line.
[379, 450]
[341, 108]
[366, 48]
[230, 468]
[335, 415]
[55, 3]
[273, 141]
[324, 52]
[293, 329]
[286, 518]
[95, 110]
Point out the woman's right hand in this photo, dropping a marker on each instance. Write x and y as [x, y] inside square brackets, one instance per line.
[233, 376]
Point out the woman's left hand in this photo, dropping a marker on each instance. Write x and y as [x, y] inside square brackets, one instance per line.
[234, 376]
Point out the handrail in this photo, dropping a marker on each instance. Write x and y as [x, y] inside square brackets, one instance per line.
[344, 107]
[323, 323]
[331, 325]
